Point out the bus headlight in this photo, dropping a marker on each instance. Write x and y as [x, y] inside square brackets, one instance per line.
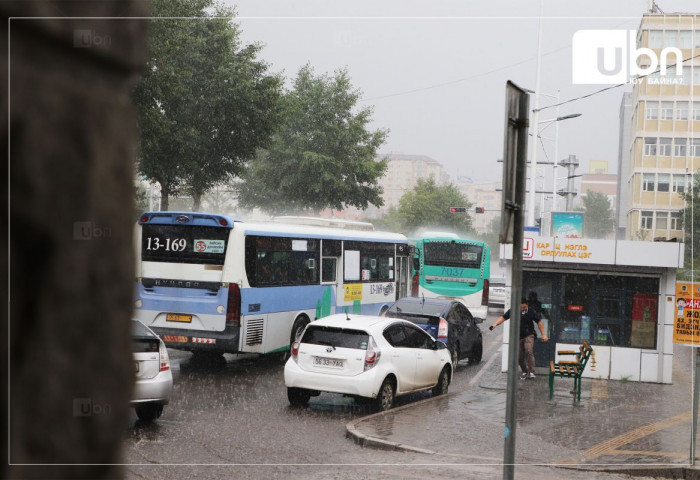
[221, 309]
[139, 303]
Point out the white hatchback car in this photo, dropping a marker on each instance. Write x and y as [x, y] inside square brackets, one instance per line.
[154, 380]
[367, 357]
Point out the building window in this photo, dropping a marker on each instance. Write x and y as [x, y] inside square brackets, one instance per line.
[661, 220]
[697, 38]
[656, 39]
[680, 147]
[648, 181]
[685, 39]
[652, 109]
[676, 221]
[665, 147]
[696, 76]
[666, 110]
[696, 109]
[679, 183]
[649, 146]
[695, 147]
[685, 79]
[663, 183]
[647, 220]
[670, 39]
[681, 110]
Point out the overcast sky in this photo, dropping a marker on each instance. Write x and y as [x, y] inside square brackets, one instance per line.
[435, 72]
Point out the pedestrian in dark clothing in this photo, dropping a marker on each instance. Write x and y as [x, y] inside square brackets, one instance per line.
[528, 318]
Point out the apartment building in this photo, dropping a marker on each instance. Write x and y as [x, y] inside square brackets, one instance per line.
[664, 134]
[404, 171]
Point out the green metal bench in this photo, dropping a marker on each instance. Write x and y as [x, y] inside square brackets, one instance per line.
[570, 368]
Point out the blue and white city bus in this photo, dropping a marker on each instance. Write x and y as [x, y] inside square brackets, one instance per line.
[209, 282]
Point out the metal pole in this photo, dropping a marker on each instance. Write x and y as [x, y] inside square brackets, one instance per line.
[514, 330]
[696, 395]
[536, 114]
[556, 159]
[572, 163]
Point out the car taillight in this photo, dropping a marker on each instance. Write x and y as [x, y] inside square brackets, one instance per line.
[414, 286]
[295, 350]
[372, 354]
[442, 328]
[485, 293]
[164, 360]
[233, 307]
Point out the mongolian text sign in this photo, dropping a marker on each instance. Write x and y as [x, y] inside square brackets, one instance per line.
[686, 328]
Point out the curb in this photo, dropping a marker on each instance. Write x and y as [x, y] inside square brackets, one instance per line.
[370, 441]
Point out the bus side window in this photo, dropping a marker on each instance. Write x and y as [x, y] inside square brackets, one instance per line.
[329, 269]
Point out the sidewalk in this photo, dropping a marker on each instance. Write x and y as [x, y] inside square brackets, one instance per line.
[622, 427]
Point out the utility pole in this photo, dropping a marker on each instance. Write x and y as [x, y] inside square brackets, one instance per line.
[571, 163]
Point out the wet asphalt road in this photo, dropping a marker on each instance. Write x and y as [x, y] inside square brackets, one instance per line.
[231, 419]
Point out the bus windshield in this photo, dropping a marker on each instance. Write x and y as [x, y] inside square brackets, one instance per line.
[184, 244]
[451, 254]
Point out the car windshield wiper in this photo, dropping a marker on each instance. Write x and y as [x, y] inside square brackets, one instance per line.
[322, 342]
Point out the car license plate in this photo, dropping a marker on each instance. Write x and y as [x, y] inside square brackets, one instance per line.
[174, 338]
[328, 362]
[176, 317]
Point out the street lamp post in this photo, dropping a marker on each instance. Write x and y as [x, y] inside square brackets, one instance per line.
[547, 123]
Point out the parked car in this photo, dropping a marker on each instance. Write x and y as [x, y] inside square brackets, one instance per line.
[498, 292]
[367, 357]
[447, 320]
[154, 380]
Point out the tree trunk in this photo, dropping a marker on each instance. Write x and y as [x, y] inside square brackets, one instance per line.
[196, 200]
[164, 197]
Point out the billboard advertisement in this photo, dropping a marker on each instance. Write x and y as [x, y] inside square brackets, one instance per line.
[686, 327]
[567, 224]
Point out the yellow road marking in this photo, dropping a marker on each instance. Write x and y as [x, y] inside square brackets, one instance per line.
[654, 454]
[611, 445]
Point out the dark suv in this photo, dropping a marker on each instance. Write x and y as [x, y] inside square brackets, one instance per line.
[448, 321]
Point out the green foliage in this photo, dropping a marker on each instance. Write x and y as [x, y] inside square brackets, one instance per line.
[428, 206]
[322, 156]
[205, 103]
[691, 225]
[598, 215]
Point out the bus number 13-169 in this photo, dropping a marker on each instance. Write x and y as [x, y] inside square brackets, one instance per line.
[176, 245]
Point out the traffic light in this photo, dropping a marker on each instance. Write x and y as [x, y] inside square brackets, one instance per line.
[458, 209]
[479, 210]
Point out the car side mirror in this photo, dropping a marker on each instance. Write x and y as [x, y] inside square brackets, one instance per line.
[439, 346]
[478, 320]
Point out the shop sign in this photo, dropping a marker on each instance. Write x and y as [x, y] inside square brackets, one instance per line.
[575, 308]
[686, 327]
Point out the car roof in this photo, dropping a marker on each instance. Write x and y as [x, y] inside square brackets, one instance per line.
[341, 320]
[426, 306]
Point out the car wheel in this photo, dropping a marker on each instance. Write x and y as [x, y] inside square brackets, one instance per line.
[476, 354]
[147, 412]
[385, 397]
[298, 397]
[443, 382]
[455, 355]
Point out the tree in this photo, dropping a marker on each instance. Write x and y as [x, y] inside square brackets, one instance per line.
[598, 215]
[205, 102]
[322, 156]
[691, 225]
[428, 205]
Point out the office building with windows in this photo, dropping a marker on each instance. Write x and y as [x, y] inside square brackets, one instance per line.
[663, 146]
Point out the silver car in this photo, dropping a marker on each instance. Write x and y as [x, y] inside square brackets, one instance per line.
[154, 380]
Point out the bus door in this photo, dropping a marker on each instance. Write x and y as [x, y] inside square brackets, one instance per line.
[403, 271]
[331, 271]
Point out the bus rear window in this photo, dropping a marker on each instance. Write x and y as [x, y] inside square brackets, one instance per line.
[184, 244]
[452, 254]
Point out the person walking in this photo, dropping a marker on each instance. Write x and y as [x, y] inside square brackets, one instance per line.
[528, 318]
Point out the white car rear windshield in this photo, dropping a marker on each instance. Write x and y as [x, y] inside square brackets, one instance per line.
[336, 337]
